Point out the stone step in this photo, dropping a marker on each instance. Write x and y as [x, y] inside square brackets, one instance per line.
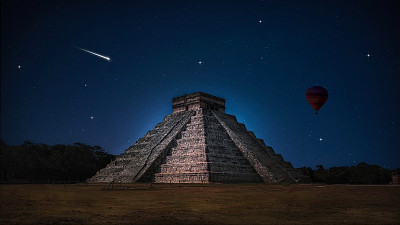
[144, 139]
[187, 154]
[191, 141]
[187, 149]
[186, 159]
[222, 149]
[227, 159]
[192, 133]
[191, 177]
[159, 126]
[196, 120]
[201, 147]
[195, 127]
[225, 153]
[211, 120]
[197, 116]
[139, 146]
[152, 132]
[225, 116]
[215, 129]
[184, 167]
[206, 177]
[114, 169]
[204, 166]
[132, 152]
[218, 140]
[230, 167]
[122, 163]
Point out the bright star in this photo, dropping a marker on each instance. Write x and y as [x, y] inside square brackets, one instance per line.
[320, 139]
[19, 66]
[92, 117]
[260, 21]
[368, 55]
[200, 62]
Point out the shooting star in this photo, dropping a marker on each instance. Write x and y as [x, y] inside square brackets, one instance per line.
[93, 53]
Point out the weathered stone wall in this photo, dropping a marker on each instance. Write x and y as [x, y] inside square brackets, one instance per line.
[196, 101]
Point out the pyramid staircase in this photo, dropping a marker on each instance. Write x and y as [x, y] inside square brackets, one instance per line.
[205, 153]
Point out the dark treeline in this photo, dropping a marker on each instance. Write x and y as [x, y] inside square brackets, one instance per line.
[42, 163]
[360, 174]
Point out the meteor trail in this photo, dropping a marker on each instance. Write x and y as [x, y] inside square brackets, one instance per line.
[98, 55]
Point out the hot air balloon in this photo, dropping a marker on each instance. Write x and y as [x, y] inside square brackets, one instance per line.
[316, 96]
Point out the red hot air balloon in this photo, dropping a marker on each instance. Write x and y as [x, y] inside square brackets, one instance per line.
[316, 96]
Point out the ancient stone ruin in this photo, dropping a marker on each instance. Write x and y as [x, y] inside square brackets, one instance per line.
[199, 143]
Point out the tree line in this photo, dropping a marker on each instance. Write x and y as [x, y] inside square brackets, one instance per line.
[41, 163]
[359, 174]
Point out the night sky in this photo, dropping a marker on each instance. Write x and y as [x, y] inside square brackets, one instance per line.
[261, 56]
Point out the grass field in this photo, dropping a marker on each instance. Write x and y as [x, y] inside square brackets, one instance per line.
[199, 204]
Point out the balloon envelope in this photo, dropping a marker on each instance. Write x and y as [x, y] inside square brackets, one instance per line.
[316, 96]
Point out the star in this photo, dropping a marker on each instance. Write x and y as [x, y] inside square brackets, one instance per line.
[19, 66]
[320, 139]
[260, 21]
[200, 62]
[85, 85]
[92, 117]
[368, 55]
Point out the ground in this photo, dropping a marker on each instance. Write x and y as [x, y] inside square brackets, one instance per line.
[199, 204]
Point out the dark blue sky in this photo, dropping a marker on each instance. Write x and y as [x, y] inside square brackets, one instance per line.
[260, 56]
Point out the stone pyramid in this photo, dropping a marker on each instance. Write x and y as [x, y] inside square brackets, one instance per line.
[199, 143]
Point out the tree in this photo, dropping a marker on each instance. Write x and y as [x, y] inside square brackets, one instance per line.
[30, 162]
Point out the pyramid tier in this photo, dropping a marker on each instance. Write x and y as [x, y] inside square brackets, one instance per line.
[191, 177]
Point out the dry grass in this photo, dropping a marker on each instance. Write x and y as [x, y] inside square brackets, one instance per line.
[199, 204]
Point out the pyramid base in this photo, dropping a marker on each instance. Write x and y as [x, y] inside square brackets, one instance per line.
[206, 177]
[190, 177]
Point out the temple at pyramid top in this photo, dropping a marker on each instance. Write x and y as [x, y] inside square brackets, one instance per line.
[198, 100]
[199, 143]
